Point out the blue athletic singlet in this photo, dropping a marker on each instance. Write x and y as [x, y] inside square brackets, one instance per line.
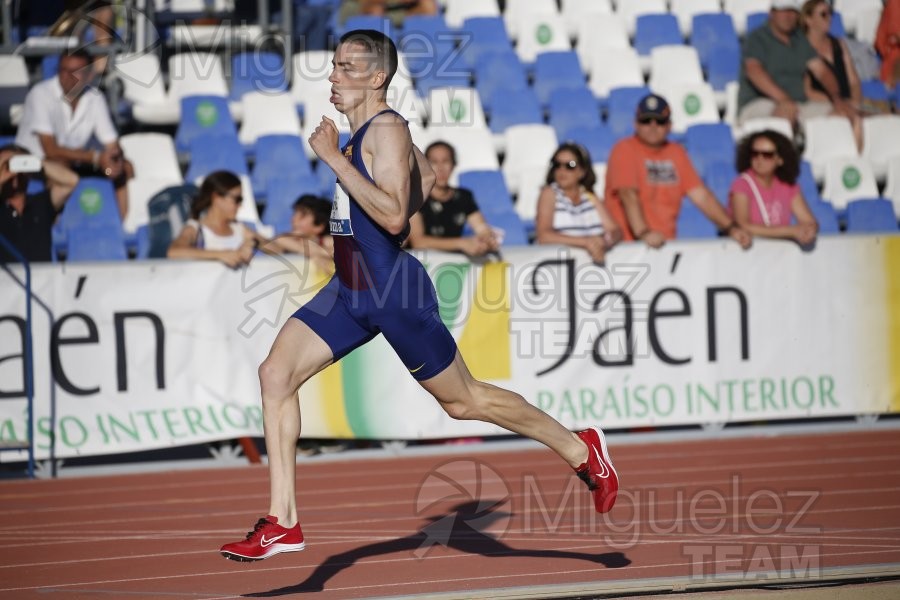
[377, 288]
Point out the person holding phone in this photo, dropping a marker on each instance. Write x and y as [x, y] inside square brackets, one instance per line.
[26, 219]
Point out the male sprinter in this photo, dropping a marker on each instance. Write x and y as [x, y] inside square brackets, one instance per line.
[378, 288]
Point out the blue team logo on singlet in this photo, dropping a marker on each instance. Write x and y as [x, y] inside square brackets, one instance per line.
[340, 208]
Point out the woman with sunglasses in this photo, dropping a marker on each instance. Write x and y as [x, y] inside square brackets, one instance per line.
[569, 212]
[815, 20]
[765, 195]
[213, 231]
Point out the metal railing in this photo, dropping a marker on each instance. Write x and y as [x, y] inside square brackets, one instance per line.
[28, 356]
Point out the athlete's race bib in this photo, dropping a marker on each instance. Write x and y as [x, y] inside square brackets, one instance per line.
[340, 212]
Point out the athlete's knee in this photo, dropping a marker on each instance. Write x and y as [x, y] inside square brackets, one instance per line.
[274, 378]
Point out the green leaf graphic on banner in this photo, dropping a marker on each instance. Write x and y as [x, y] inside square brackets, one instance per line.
[449, 281]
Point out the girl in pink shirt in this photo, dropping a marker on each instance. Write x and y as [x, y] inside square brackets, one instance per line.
[765, 195]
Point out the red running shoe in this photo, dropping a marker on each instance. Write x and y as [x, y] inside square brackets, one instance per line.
[267, 539]
[598, 472]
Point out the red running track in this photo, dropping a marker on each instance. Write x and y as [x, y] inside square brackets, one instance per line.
[483, 523]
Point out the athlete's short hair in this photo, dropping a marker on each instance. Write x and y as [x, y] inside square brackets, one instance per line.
[379, 46]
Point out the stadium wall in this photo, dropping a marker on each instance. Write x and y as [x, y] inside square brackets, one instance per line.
[153, 354]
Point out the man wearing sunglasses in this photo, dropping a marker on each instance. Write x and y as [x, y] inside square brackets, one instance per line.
[648, 176]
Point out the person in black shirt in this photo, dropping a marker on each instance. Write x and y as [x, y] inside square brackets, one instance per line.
[439, 223]
[26, 220]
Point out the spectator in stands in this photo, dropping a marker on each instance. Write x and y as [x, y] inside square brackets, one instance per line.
[213, 231]
[765, 195]
[396, 11]
[26, 219]
[887, 42]
[775, 61]
[568, 211]
[68, 121]
[439, 223]
[816, 23]
[309, 232]
[647, 177]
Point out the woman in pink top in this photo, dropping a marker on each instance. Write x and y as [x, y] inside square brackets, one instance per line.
[765, 195]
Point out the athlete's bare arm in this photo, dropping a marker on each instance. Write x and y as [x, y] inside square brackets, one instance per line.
[388, 146]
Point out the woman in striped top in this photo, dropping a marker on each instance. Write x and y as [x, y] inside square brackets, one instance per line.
[569, 212]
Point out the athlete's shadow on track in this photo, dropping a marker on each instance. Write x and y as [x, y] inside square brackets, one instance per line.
[462, 529]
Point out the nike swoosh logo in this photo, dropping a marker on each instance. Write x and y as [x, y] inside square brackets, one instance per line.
[605, 472]
[266, 543]
[419, 368]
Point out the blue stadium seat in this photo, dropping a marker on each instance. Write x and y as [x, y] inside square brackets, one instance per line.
[807, 183]
[757, 19]
[91, 206]
[95, 244]
[203, 116]
[598, 140]
[514, 232]
[49, 66]
[556, 70]
[871, 216]
[693, 224]
[656, 30]
[837, 26]
[489, 189]
[277, 155]
[426, 43]
[826, 217]
[214, 153]
[519, 108]
[718, 178]
[711, 30]
[480, 35]
[382, 24]
[281, 194]
[437, 78]
[500, 70]
[723, 66]
[708, 143]
[621, 107]
[875, 90]
[570, 108]
[257, 72]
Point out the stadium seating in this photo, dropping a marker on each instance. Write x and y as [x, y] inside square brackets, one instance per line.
[257, 72]
[457, 12]
[871, 216]
[267, 114]
[597, 33]
[556, 70]
[621, 108]
[710, 31]
[620, 69]
[511, 228]
[827, 138]
[203, 116]
[674, 66]
[597, 140]
[528, 148]
[489, 189]
[542, 32]
[481, 35]
[281, 193]
[686, 10]
[880, 142]
[848, 179]
[96, 244]
[826, 217]
[892, 187]
[152, 155]
[573, 108]
[277, 155]
[514, 109]
[575, 12]
[516, 14]
[740, 9]
[630, 10]
[215, 152]
[851, 9]
[91, 206]
[708, 143]
[693, 224]
[691, 104]
[501, 71]
[718, 176]
[652, 31]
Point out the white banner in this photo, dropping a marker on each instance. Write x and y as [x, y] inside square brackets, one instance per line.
[140, 355]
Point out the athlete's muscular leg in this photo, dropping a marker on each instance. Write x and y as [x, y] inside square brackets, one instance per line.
[463, 397]
[296, 355]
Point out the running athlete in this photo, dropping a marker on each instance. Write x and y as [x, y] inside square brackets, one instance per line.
[379, 288]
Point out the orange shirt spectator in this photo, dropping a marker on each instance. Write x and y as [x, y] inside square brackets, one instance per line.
[648, 175]
[887, 42]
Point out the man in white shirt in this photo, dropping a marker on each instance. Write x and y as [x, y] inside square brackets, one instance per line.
[68, 121]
